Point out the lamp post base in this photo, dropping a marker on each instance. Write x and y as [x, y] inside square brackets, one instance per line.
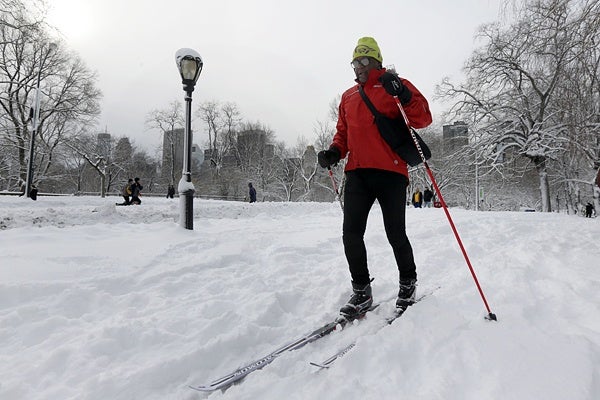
[186, 204]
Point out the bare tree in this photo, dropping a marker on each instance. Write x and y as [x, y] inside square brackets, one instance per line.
[324, 134]
[69, 98]
[168, 121]
[75, 165]
[230, 122]
[210, 113]
[286, 181]
[86, 147]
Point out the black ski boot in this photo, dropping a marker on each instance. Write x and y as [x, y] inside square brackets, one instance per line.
[359, 302]
[406, 294]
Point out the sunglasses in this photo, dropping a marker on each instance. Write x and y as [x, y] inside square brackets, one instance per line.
[364, 61]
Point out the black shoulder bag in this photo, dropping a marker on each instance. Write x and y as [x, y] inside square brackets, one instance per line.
[396, 135]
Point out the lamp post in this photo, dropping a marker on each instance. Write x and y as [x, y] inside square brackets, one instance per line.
[190, 65]
[36, 118]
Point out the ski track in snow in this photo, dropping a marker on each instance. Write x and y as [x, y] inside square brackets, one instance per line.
[105, 302]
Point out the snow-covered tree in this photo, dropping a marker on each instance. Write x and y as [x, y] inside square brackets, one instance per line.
[516, 84]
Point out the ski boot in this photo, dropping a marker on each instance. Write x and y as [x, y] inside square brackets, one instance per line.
[359, 303]
[406, 294]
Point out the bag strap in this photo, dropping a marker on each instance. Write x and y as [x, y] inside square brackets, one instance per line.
[368, 102]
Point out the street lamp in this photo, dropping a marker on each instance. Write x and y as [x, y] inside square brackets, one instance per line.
[190, 65]
[36, 118]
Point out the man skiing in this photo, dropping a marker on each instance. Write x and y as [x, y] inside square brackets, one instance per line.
[374, 171]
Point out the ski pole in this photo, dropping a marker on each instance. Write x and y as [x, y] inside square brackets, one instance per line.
[335, 188]
[491, 316]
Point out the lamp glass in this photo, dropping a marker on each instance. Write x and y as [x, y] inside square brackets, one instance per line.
[189, 68]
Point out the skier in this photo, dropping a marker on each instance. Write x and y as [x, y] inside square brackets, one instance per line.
[374, 171]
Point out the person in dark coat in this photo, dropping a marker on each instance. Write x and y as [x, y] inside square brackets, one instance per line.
[170, 192]
[136, 190]
[251, 192]
[427, 197]
[589, 208]
[33, 193]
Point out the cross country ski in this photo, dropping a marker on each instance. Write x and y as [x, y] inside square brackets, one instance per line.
[397, 314]
[240, 373]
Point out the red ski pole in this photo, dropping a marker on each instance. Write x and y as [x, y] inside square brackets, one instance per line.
[335, 188]
[490, 316]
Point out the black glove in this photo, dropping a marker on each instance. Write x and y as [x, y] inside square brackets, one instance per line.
[392, 84]
[329, 157]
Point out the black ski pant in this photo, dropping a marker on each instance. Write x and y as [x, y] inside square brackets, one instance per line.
[362, 188]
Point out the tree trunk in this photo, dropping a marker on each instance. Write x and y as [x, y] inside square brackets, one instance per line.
[540, 166]
[102, 186]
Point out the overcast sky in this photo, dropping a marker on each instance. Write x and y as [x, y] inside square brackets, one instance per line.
[281, 62]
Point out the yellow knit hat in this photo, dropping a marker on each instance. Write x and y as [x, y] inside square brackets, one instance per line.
[367, 47]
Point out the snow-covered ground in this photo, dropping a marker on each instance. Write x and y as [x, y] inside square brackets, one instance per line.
[104, 302]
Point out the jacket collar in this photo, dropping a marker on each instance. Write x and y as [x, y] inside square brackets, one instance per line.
[373, 77]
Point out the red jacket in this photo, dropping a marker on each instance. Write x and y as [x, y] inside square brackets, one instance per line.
[358, 136]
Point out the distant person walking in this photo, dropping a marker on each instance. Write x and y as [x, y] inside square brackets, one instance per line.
[251, 193]
[136, 189]
[33, 192]
[170, 192]
[589, 208]
[427, 198]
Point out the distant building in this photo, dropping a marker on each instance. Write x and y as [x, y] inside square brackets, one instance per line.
[103, 144]
[455, 136]
[254, 150]
[173, 149]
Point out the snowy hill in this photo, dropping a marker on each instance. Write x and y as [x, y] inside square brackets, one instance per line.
[105, 302]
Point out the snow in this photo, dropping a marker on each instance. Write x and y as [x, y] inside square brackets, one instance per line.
[105, 302]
